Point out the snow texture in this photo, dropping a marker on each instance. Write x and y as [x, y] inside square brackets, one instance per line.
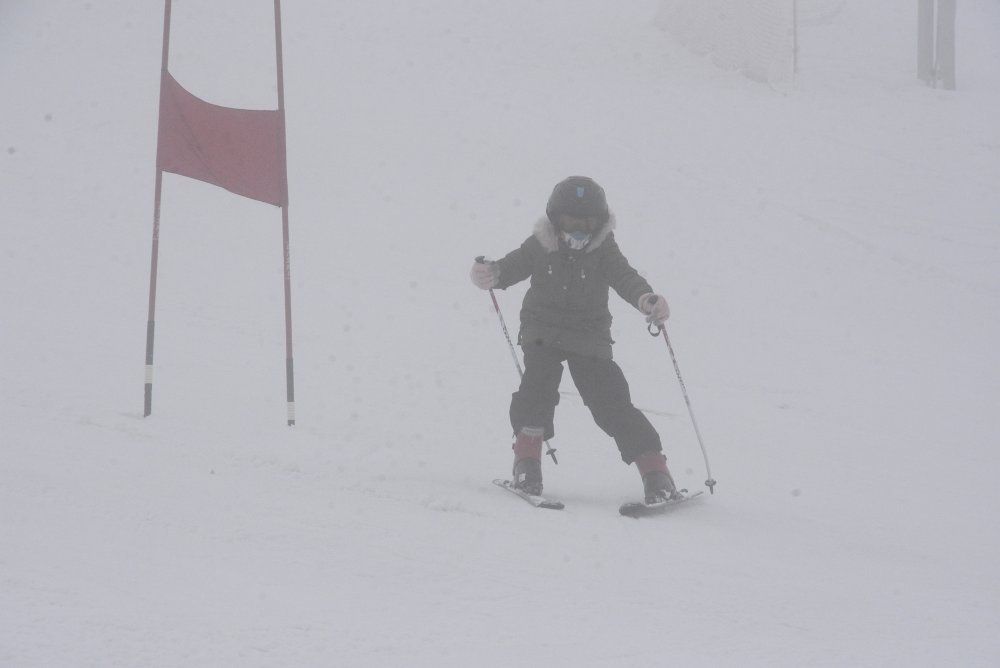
[830, 254]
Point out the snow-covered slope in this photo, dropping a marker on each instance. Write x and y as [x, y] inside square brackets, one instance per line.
[830, 255]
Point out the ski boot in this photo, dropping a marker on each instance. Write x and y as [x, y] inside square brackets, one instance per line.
[528, 460]
[658, 485]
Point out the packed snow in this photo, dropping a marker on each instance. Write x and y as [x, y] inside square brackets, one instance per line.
[829, 250]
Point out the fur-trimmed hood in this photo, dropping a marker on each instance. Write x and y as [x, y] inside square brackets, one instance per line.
[548, 237]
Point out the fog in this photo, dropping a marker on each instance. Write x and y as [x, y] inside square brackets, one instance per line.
[828, 245]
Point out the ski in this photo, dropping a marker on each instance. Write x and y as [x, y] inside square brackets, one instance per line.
[641, 509]
[536, 501]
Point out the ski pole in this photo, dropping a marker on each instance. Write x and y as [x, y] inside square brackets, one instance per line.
[710, 482]
[550, 451]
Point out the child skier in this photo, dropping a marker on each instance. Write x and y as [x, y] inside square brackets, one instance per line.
[573, 260]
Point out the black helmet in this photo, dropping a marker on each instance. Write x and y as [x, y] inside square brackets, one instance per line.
[578, 196]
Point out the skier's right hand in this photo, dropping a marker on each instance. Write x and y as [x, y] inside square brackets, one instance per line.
[484, 275]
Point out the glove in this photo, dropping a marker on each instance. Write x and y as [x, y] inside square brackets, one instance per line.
[484, 275]
[655, 307]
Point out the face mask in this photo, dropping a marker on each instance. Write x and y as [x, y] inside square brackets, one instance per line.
[576, 240]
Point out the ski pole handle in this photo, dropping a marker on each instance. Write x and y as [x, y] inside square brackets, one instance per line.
[653, 328]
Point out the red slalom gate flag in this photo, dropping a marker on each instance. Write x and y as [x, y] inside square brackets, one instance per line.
[241, 150]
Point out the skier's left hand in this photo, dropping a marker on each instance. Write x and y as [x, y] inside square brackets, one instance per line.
[655, 307]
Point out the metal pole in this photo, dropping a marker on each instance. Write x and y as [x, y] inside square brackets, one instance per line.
[154, 254]
[795, 37]
[550, 451]
[710, 482]
[944, 61]
[503, 326]
[925, 41]
[289, 364]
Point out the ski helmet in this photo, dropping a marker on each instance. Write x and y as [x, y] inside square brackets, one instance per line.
[578, 196]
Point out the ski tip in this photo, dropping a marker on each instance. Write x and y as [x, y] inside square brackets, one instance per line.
[536, 501]
[635, 510]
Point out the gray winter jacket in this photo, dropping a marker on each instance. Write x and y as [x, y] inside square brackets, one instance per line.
[567, 304]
